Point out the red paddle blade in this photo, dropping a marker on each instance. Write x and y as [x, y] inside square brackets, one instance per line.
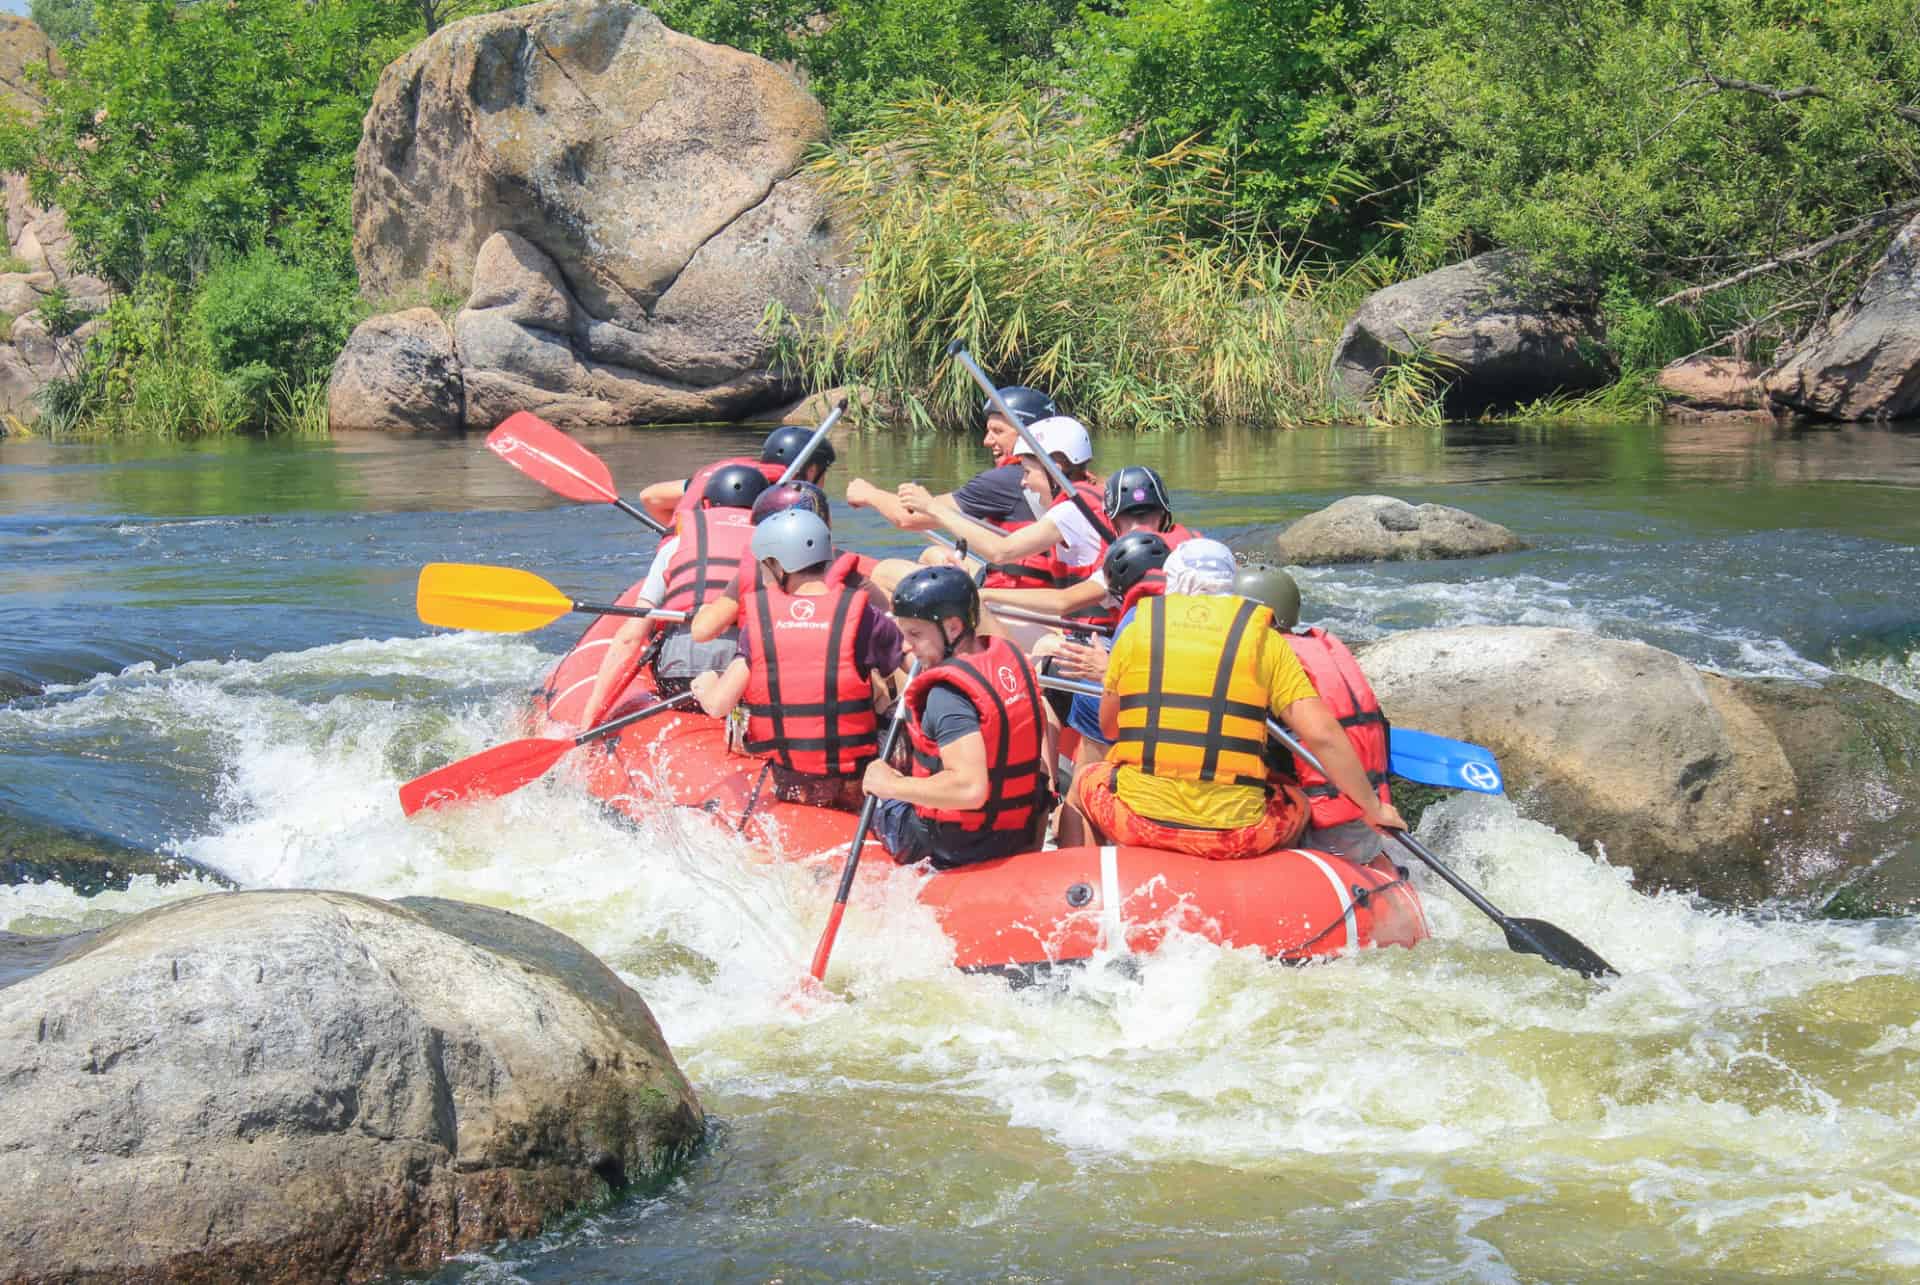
[552, 459]
[487, 775]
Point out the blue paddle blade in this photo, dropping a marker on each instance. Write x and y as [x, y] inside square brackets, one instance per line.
[1437, 760]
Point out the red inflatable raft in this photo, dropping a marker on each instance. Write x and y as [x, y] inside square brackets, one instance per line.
[1011, 916]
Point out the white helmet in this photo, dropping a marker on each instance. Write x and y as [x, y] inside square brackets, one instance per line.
[1059, 435]
[794, 539]
[1201, 567]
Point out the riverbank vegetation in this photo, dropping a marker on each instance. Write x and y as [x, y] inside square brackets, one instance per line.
[1166, 208]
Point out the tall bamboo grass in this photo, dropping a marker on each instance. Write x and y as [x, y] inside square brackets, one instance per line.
[1064, 262]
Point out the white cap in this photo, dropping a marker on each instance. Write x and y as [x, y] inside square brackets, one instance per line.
[1201, 567]
[1059, 435]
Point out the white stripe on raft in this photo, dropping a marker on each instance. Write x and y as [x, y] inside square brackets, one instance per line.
[1113, 931]
[1340, 890]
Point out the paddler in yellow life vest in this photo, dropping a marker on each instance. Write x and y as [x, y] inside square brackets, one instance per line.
[1188, 689]
[1337, 825]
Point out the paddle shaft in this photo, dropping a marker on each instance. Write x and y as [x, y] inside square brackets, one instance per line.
[813, 444]
[958, 350]
[835, 915]
[608, 729]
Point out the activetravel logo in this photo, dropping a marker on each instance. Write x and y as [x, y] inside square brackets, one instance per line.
[1008, 680]
[801, 609]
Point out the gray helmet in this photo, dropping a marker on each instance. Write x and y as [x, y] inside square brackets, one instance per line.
[794, 540]
[1265, 583]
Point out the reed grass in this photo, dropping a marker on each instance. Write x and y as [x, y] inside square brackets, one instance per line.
[1116, 282]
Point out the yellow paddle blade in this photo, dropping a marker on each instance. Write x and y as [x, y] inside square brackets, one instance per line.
[501, 600]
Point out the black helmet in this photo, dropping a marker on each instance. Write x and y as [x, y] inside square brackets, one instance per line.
[1136, 487]
[784, 444]
[1265, 583]
[1130, 558]
[1027, 404]
[936, 594]
[736, 486]
[792, 495]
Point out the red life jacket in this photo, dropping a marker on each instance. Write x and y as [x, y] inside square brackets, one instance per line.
[999, 683]
[1177, 535]
[1047, 569]
[697, 484]
[714, 545]
[809, 706]
[1151, 585]
[1337, 677]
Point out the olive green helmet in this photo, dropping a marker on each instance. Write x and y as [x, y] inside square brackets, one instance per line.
[1265, 583]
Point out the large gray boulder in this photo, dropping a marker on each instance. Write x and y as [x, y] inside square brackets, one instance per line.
[1715, 387]
[617, 201]
[292, 1086]
[1742, 789]
[1487, 331]
[398, 372]
[1864, 363]
[1380, 528]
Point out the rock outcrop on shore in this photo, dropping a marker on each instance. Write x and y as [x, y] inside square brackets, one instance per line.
[616, 202]
[36, 346]
[293, 1086]
[1380, 528]
[1864, 362]
[1741, 789]
[1483, 329]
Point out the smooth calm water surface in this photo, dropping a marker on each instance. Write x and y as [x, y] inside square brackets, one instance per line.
[211, 649]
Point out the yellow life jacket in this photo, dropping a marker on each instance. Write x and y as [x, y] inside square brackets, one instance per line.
[1201, 714]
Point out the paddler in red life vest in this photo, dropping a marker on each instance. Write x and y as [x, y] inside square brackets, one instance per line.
[696, 563]
[811, 642]
[1188, 689]
[1135, 499]
[1337, 825]
[981, 740]
[721, 613]
[996, 495]
[666, 501]
[1063, 545]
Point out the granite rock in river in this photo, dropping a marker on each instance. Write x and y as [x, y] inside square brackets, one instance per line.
[1742, 789]
[1380, 528]
[291, 1086]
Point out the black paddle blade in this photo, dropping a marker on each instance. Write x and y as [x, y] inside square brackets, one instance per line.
[1556, 946]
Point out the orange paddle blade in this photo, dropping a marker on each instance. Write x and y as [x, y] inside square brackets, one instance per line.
[465, 595]
[552, 459]
[486, 775]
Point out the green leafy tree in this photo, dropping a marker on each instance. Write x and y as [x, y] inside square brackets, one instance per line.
[1265, 79]
[66, 22]
[179, 134]
[861, 56]
[1744, 160]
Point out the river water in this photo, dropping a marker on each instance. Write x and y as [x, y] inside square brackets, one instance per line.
[210, 649]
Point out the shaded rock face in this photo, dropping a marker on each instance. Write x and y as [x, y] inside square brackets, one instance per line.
[1864, 363]
[1494, 338]
[1380, 528]
[1741, 789]
[398, 372]
[618, 198]
[39, 251]
[281, 1086]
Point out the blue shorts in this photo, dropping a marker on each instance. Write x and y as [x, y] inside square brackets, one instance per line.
[1084, 718]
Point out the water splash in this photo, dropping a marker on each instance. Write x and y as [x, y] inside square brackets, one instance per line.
[1729, 1102]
